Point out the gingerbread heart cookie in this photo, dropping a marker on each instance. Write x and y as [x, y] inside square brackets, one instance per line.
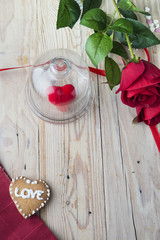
[29, 196]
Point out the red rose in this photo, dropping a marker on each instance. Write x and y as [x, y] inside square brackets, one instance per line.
[140, 85]
[150, 115]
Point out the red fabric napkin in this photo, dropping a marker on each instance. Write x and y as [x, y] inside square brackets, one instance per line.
[12, 225]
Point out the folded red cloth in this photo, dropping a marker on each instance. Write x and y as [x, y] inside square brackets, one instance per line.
[12, 225]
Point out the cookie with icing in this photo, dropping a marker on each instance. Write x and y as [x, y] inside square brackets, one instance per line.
[29, 196]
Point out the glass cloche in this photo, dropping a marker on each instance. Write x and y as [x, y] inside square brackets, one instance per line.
[59, 88]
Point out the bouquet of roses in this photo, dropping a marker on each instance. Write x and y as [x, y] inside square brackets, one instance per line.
[139, 80]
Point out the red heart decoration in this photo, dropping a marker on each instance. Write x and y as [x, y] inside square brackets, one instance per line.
[60, 96]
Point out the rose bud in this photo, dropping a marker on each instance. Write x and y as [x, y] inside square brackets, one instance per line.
[140, 85]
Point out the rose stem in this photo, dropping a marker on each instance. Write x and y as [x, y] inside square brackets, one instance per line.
[126, 35]
[112, 18]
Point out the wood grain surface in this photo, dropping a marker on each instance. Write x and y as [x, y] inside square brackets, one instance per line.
[104, 172]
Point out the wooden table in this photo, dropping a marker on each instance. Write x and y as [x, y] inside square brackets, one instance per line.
[104, 172]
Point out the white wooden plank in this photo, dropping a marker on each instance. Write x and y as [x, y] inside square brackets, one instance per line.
[130, 192]
[19, 132]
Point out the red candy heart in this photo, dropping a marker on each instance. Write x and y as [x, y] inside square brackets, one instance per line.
[60, 96]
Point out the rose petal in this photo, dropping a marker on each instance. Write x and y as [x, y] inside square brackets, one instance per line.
[147, 9]
[150, 115]
[149, 17]
[146, 91]
[154, 90]
[126, 100]
[155, 21]
[139, 100]
[135, 92]
[144, 100]
[130, 74]
[150, 77]
[150, 112]
[153, 121]
[149, 21]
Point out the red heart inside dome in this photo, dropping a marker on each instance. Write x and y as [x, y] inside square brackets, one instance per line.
[60, 96]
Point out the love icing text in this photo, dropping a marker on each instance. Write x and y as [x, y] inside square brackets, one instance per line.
[29, 193]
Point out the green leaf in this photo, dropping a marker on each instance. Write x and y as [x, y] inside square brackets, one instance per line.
[95, 19]
[68, 13]
[98, 46]
[135, 120]
[119, 50]
[90, 4]
[142, 37]
[122, 25]
[126, 13]
[113, 73]
[128, 5]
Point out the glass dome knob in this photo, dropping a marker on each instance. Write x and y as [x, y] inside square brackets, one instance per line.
[60, 66]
